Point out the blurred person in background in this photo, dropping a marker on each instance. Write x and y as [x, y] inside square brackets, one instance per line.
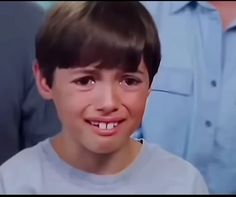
[47, 5]
[25, 118]
[192, 106]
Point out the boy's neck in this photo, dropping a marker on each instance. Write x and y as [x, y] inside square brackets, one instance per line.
[101, 164]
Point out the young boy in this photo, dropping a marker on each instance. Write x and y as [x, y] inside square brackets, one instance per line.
[96, 61]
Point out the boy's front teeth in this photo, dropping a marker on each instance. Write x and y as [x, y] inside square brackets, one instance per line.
[108, 126]
[102, 125]
[105, 126]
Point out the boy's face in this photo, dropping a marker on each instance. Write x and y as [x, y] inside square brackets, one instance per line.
[99, 109]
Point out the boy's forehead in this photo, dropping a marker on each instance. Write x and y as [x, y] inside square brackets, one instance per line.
[98, 67]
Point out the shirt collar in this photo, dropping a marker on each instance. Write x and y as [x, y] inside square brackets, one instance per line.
[177, 6]
[232, 26]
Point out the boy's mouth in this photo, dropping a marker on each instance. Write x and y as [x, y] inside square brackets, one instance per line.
[104, 125]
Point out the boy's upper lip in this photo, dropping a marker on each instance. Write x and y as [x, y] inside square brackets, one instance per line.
[106, 119]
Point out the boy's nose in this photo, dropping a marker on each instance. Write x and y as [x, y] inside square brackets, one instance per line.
[108, 100]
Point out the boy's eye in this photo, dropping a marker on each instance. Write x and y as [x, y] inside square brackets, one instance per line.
[84, 81]
[131, 81]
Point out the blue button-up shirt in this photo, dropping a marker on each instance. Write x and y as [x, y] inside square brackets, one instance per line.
[192, 106]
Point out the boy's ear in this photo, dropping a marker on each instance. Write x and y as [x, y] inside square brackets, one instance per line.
[43, 88]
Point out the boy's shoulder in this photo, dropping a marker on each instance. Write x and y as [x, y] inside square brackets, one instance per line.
[169, 160]
[174, 170]
[22, 172]
[23, 163]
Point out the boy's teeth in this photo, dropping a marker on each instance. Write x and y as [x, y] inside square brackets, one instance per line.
[105, 126]
[102, 125]
[95, 123]
[110, 125]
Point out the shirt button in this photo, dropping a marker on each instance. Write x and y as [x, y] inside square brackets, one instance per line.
[208, 123]
[213, 83]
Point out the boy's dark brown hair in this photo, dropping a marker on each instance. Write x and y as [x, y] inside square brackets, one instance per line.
[116, 34]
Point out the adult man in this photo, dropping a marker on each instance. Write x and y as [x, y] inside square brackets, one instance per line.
[193, 103]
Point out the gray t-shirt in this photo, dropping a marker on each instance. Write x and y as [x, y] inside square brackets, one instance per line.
[40, 170]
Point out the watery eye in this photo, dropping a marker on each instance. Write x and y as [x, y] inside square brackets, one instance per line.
[84, 81]
[131, 81]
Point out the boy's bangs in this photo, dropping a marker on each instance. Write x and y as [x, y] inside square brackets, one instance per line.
[113, 46]
[111, 51]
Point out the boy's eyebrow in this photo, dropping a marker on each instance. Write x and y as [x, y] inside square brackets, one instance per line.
[95, 71]
[91, 69]
[83, 71]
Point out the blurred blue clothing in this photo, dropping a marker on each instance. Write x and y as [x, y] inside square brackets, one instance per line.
[47, 173]
[47, 5]
[25, 118]
[192, 106]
